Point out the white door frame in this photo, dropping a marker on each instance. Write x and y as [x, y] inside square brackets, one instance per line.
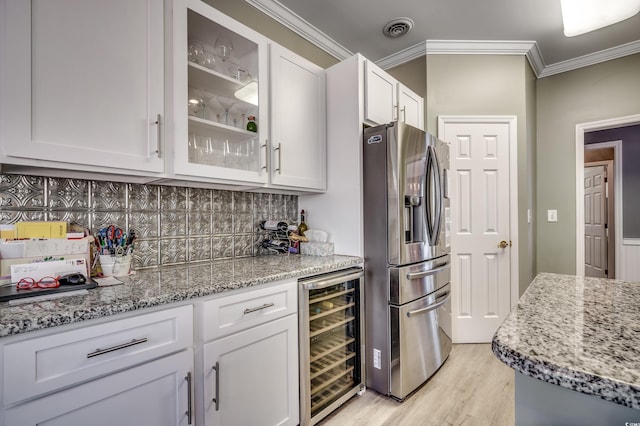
[511, 120]
[617, 202]
[581, 128]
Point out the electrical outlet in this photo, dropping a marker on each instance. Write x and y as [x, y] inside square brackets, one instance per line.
[377, 362]
[552, 215]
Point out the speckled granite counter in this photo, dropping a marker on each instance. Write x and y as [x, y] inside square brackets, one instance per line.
[155, 287]
[581, 334]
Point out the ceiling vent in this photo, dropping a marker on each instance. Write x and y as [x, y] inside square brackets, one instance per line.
[397, 27]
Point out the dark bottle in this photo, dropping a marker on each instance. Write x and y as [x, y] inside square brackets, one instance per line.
[251, 124]
[302, 227]
[274, 225]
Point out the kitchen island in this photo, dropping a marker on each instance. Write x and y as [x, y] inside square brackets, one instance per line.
[574, 344]
[159, 286]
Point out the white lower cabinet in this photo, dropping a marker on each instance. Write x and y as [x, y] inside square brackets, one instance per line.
[247, 367]
[133, 370]
[153, 394]
[251, 378]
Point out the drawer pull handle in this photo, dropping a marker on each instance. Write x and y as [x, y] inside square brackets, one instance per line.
[216, 368]
[259, 308]
[189, 412]
[116, 348]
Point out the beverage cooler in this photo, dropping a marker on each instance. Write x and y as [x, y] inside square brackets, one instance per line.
[331, 342]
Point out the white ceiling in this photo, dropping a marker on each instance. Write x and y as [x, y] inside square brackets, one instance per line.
[356, 26]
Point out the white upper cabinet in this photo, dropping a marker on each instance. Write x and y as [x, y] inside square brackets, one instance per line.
[298, 117]
[386, 99]
[380, 96]
[411, 107]
[226, 74]
[82, 85]
[220, 82]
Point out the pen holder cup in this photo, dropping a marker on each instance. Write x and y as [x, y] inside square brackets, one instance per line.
[116, 266]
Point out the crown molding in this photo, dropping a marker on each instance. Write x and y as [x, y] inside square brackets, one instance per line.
[466, 47]
[298, 25]
[592, 59]
[295, 23]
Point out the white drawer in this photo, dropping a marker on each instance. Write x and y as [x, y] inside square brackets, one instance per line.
[43, 364]
[229, 314]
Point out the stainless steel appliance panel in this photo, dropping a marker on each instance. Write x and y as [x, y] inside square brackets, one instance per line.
[414, 200]
[410, 282]
[419, 342]
[405, 194]
[331, 341]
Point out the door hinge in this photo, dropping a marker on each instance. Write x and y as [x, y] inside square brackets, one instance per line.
[606, 226]
[606, 272]
[606, 179]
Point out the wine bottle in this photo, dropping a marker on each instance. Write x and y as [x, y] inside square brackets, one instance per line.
[251, 125]
[302, 227]
[274, 225]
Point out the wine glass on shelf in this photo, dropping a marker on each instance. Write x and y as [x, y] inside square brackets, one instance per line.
[196, 52]
[223, 48]
[196, 102]
[226, 103]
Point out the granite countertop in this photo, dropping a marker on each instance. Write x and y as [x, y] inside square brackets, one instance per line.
[579, 333]
[154, 287]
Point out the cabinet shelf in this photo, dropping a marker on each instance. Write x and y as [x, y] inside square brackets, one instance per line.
[219, 130]
[214, 82]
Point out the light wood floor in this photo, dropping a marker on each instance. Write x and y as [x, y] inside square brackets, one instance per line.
[471, 388]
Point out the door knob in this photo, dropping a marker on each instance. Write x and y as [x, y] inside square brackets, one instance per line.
[503, 244]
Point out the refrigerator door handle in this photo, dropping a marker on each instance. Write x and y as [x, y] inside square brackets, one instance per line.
[434, 190]
[443, 298]
[422, 274]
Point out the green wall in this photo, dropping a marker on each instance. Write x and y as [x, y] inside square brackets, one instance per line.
[492, 85]
[602, 91]
[265, 25]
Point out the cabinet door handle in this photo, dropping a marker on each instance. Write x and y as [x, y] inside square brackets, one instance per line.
[259, 308]
[265, 154]
[279, 149]
[216, 368]
[404, 114]
[189, 412]
[116, 347]
[158, 137]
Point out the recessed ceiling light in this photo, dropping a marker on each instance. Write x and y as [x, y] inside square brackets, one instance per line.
[397, 27]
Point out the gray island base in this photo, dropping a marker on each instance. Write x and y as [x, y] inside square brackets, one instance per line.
[574, 344]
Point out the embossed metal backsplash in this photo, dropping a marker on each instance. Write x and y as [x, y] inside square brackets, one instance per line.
[174, 224]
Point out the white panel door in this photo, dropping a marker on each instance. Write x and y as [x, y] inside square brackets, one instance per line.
[298, 121]
[480, 221]
[595, 222]
[411, 107]
[380, 96]
[83, 83]
[251, 377]
[156, 393]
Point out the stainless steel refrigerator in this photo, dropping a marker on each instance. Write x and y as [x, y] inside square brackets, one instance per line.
[406, 250]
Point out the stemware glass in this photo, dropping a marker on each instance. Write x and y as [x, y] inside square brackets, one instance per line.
[226, 103]
[196, 52]
[223, 48]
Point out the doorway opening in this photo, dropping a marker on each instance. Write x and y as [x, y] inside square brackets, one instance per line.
[580, 194]
[602, 187]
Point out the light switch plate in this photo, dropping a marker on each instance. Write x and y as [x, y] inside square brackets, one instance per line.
[552, 215]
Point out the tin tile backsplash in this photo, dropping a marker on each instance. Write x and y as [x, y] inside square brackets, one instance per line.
[174, 225]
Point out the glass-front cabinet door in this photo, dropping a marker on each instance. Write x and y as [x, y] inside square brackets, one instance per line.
[220, 97]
